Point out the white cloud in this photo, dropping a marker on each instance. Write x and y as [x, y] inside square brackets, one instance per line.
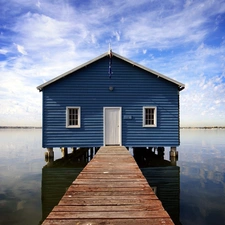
[203, 71]
[21, 49]
[117, 35]
[3, 51]
[38, 4]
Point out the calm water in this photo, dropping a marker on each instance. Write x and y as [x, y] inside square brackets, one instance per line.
[22, 179]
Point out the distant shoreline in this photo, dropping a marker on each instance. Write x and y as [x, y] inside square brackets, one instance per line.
[31, 127]
[19, 127]
[205, 128]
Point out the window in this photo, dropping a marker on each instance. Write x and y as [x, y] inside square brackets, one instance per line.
[73, 117]
[149, 117]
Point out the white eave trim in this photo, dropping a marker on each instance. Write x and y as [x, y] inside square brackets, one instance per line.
[40, 87]
[181, 86]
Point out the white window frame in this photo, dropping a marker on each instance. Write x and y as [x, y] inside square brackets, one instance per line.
[67, 117]
[155, 116]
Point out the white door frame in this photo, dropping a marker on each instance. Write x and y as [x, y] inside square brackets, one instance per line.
[120, 124]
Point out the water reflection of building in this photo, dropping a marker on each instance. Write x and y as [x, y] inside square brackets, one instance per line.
[58, 175]
[163, 176]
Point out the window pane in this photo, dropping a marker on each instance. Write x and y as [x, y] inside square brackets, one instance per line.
[73, 117]
[149, 116]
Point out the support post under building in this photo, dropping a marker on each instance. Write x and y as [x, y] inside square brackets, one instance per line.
[173, 152]
[49, 154]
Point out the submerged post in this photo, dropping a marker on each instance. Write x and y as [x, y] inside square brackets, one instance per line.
[74, 149]
[161, 151]
[64, 151]
[173, 152]
[49, 154]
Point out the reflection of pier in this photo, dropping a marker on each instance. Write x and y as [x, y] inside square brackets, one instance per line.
[110, 190]
[58, 175]
[163, 176]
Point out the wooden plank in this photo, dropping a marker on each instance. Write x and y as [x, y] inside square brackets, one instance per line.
[100, 180]
[150, 221]
[110, 190]
[119, 175]
[106, 189]
[109, 201]
[111, 184]
[108, 208]
[82, 193]
[109, 215]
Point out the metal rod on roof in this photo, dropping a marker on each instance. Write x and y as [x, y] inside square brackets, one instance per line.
[110, 61]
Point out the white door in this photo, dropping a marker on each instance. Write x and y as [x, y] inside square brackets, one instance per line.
[112, 126]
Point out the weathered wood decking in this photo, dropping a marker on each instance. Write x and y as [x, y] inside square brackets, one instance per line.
[110, 190]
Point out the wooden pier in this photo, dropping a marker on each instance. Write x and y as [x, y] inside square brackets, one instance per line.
[110, 190]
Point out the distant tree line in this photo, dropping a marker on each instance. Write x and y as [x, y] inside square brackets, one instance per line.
[214, 127]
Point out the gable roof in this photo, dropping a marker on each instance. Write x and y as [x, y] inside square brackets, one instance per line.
[180, 85]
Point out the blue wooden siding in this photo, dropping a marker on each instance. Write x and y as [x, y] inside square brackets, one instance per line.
[88, 88]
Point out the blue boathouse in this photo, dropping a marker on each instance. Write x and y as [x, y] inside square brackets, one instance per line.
[111, 100]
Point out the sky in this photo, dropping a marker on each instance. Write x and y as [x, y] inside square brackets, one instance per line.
[182, 39]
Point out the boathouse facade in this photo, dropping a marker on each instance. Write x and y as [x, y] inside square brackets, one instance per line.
[111, 100]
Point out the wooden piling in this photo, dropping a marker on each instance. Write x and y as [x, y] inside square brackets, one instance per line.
[64, 151]
[49, 154]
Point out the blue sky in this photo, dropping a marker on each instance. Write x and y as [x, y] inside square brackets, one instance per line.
[184, 40]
